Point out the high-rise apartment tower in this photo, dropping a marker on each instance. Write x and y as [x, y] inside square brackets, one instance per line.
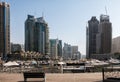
[36, 35]
[92, 31]
[104, 36]
[4, 29]
[55, 48]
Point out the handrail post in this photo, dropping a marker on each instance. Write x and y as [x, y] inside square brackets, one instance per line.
[103, 74]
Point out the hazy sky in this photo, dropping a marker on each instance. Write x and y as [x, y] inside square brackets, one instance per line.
[67, 19]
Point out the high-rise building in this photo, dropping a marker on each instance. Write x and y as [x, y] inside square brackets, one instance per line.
[4, 29]
[71, 52]
[55, 48]
[104, 36]
[67, 51]
[116, 45]
[29, 33]
[99, 36]
[36, 35]
[75, 53]
[16, 48]
[60, 48]
[92, 31]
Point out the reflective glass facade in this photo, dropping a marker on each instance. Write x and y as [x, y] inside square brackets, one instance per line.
[4, 29]
[36, 35]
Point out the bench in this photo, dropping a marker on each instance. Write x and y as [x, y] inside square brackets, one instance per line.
[33, 75]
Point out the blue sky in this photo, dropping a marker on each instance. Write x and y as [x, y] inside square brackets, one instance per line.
[67, 19]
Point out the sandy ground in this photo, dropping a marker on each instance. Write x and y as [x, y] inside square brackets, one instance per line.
[66, 77]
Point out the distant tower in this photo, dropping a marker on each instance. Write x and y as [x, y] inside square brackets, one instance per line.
[60, 48]
[67, 51]
[91, 33]
[104, 36]
[36, 35]
[75, 52]
[4, 29]
[29, 33]
[55, 48]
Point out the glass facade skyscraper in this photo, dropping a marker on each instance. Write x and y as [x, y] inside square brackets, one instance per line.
[36, 35]
[55, 48]
[4, 29]
[92, 31]
[99, 36]
[67, 51]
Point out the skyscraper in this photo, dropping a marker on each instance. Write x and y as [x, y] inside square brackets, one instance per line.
[67, 51]
[29, 33]
[75, 53]
[36, 35]
[55, 48]
[92, 31]
[104, 36]
[60, 48]
[4, 29]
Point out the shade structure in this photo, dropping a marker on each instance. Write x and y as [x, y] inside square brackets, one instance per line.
[114, 61]
[61, 63]
[33, 62]
[11, 64]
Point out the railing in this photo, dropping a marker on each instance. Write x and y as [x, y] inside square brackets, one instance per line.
[111, 74]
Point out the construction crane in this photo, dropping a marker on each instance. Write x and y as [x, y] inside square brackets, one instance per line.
[105, 10]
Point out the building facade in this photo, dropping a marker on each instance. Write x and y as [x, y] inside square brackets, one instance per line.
[71, 52]
[104, 36]
[55, 48]
[4, 29]
[16, 48]
[36, 35]
[116, 45]
[75, 53]
[91, 33]
[67, 51]
[60, 50]
[99, 37]
[29, 33]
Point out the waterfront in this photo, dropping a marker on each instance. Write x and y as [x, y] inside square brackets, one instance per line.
[54, 77]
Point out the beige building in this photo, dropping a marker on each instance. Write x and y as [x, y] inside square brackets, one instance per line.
[75, 53]
[104, 36]
[116, 45]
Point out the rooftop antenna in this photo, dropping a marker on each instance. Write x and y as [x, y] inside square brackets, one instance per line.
[35, 13]
[106, 10]
[86, 24]
[57, 36]
[42, 14]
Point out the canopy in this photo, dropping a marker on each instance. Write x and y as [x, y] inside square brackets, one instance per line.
[61, 62]
[11, 64]
[33, 62]
[114, 61]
